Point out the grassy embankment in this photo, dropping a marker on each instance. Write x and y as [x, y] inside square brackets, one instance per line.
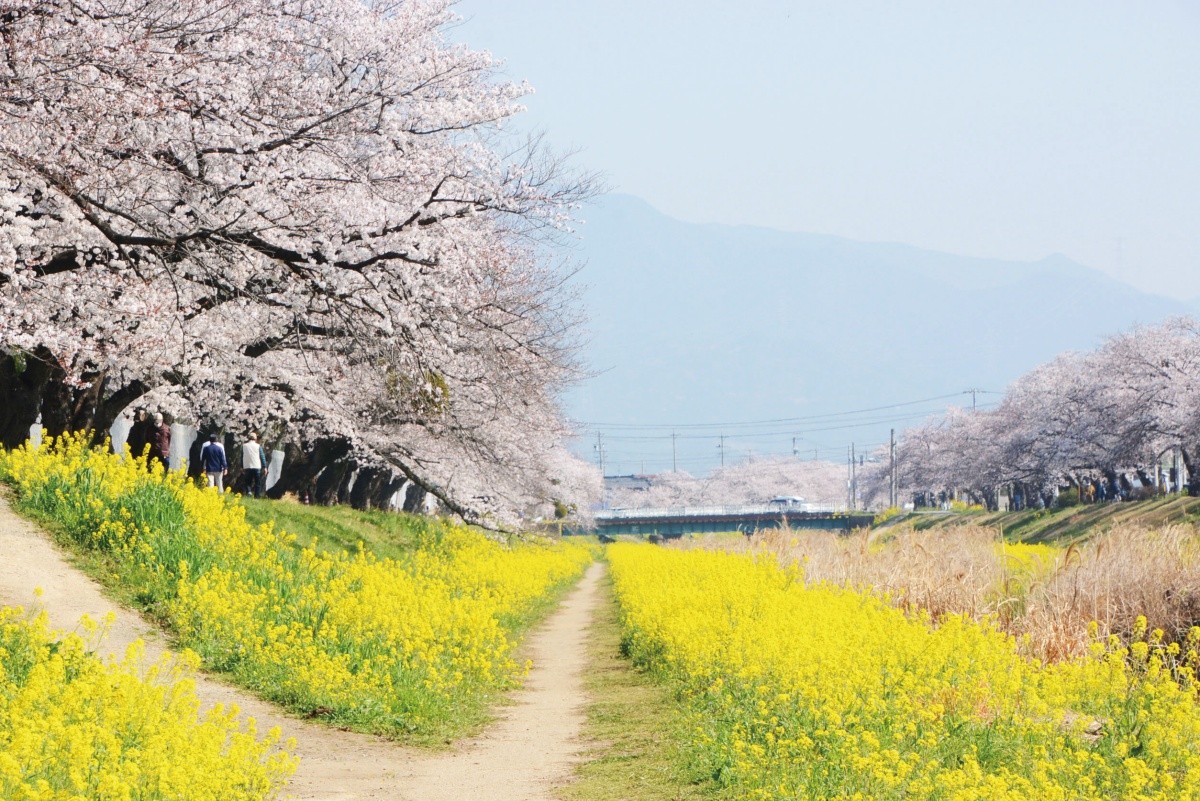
[344, 528]
[386, 535]
[1063, 525]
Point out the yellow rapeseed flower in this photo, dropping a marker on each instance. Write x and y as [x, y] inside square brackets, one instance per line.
[826, 693]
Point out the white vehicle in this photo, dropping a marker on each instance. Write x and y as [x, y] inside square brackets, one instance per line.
[787, 502]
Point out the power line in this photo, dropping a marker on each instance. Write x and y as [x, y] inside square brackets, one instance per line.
[774, 443]
[780, 433]
[775, 421]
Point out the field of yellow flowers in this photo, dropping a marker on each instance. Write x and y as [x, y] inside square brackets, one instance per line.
[73, 727]
[1046, 595]
[819, 692]
[405, 647]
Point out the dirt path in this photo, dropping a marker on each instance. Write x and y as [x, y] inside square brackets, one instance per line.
[528, 751]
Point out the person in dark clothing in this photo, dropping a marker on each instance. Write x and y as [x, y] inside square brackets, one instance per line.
[139, 433]
[212, 459]
[160, 443]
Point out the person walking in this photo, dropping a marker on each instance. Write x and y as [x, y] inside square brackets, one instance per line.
[254, 465]
[212, 459]
[160, 443]
[139, 433]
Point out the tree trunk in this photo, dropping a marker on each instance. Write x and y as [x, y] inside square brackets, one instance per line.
[34, 383]
[22, 378]
[374, 488]
[414, 498]
[1193, 480]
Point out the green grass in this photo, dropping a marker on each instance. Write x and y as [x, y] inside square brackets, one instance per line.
[329, 528]
[1070, 523]
[343, 528]
[636, 752]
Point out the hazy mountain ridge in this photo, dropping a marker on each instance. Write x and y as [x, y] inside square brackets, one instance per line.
[705, 323]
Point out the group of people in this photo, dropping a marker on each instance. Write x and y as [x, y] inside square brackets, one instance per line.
[254, 464]
[151, 432]
[151, 435]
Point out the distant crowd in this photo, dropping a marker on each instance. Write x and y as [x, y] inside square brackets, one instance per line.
[151, 435]
[1114, 488]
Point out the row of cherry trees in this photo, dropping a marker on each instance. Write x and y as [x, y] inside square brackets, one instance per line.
[1102, 416]
[749, 482]
[303, 216]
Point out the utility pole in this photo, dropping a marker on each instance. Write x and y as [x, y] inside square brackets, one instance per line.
[795, 452]
[972, 393]
[600, 451]
[1176, 483]
[721, 448]
[674, 463]
[853, 479]
[892, 477]
[849, 478]
[1180, 469]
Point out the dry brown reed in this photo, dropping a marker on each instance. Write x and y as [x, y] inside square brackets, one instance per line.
[1114, 578]
[944, 571]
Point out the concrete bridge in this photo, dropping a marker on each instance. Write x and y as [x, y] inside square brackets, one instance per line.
[675, 522]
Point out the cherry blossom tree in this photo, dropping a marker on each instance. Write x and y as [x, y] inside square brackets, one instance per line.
[749, 482]
[299, 213]
[1156, 370]
[1079, 418]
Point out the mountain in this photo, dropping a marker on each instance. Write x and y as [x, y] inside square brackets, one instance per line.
[713, 323]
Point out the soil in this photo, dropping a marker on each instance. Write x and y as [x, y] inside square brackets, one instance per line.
[523, 756]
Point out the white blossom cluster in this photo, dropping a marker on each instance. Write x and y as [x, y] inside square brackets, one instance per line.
[292, 212]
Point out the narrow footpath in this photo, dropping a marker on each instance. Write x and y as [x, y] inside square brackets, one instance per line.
[528, 751]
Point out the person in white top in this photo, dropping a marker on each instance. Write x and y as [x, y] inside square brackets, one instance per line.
[254, 464]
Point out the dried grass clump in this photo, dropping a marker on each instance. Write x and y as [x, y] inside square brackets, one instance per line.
[1112, 579]
[953, 570]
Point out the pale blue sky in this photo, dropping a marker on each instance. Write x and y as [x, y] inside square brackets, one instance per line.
[1009, 130]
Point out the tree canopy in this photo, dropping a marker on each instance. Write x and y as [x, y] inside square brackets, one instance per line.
[305, 212]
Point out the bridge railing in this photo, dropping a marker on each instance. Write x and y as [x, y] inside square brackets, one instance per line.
[715, 511]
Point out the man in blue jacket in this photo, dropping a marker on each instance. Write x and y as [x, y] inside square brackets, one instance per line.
[212, 459]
